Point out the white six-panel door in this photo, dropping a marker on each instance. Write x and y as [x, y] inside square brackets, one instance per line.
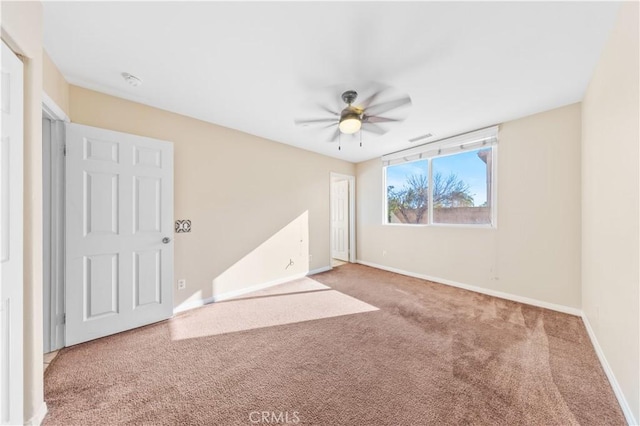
[11, 240]
[119, 229]
[340, 220]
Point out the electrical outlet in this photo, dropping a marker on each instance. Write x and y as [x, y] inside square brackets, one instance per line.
[310, 257]
[182, 284]
[384, 252]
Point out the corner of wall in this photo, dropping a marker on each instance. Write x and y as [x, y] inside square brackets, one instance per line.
[54, 84]
[626, 410]
[38, 416]
[610, 245]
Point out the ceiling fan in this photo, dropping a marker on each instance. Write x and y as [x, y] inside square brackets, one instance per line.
[361, 116]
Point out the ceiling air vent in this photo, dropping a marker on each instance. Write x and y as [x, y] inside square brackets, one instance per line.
[420, 138]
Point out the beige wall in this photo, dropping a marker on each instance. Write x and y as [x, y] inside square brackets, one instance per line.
[535, 250]
[610, 214]
[254, 203]
[54, 83]
[22, 31]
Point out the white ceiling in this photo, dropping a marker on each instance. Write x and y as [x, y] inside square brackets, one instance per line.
[257, 66]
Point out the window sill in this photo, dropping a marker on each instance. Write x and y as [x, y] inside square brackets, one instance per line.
[442, 225]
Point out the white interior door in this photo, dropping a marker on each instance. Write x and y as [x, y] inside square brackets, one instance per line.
[119, 224]
[340, 220]
[11, 248]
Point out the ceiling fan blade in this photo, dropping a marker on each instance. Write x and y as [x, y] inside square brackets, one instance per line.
[335, 135]
[387, 106]
[373, 128]
[329, 125]
[327, 109]
[376, 119]
[315, 121]
[371, 99]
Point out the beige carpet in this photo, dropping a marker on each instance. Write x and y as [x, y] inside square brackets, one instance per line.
[430, 355]
[297, 301]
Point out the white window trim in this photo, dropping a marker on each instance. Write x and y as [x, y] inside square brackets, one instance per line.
[467, 141]
[429, 191]
[428, 151]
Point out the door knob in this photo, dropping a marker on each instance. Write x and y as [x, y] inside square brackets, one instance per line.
[166, 240]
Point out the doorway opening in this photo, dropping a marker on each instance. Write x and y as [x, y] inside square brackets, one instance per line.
[342, 227]
[53, 291]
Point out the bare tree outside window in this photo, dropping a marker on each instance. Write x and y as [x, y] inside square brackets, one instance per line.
[411, 202]
[461, 190]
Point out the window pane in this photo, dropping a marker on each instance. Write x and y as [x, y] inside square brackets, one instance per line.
[462, 188]
[407, 193]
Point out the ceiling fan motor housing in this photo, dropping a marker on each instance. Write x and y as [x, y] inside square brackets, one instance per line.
[350, 117]
[349, 96]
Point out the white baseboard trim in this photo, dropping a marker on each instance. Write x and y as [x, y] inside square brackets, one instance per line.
[38, 416]
[319, 270]
[192, 304]
[607, 370]
[241, 292]
[495, 293]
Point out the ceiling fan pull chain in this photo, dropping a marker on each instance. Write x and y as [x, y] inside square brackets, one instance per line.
[340, 141]
[360, 138]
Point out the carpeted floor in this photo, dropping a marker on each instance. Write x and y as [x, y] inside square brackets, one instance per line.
[430, 355]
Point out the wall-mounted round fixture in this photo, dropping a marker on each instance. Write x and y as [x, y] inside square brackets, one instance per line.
[131, 79]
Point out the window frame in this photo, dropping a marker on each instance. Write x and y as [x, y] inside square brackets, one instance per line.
[494, 195]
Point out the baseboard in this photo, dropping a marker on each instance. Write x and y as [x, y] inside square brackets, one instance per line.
[38, 416]
[319, 270]
[495, 293]
[241, 292]
[607, 370]
[192, 304]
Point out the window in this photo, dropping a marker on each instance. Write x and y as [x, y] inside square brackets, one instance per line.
[447, 182]
[462, 187]
[408, 193]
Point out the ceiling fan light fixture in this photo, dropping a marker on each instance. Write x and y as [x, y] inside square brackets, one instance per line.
[350, 122]
[367, 116]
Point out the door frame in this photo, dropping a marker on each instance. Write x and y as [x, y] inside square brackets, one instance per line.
[352, 214]
[53, 172]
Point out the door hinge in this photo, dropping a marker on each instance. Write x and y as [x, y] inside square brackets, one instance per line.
[64, 150]
[64, 318]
